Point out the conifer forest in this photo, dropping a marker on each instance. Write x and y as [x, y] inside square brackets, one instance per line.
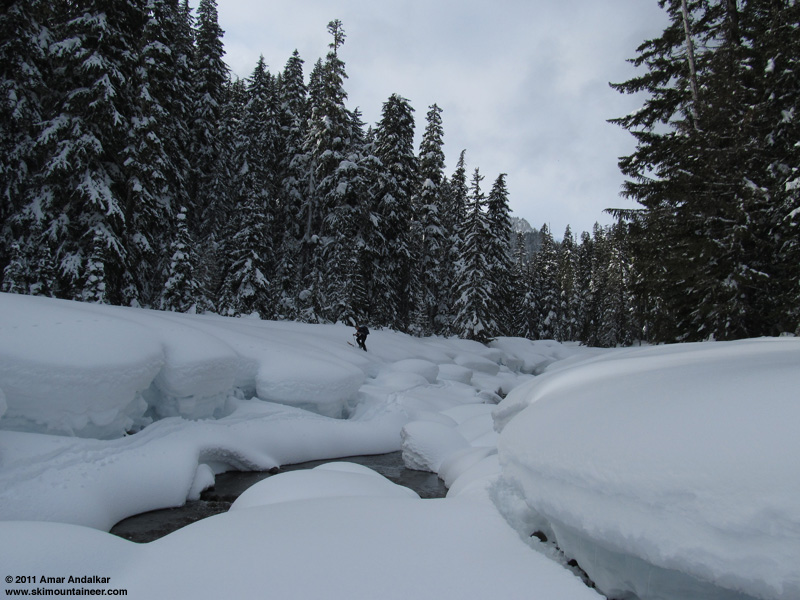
[136, 171]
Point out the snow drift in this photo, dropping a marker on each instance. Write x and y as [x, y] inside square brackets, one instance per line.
[667, 472]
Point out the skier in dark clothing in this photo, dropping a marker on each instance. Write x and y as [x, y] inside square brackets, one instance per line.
[361, 336]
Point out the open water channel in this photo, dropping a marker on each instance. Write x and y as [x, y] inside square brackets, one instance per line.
[152, 525]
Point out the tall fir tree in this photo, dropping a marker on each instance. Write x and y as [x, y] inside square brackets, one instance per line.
[453, 222]
[81, 189]
[328, 143]
[392, 281]
[246, 287]
[546, 281]
[154, 159]
[525, 308]
[771, 51]
[248, 263]
[24, 40]
[498, 253]
[432, 240]
[292, 184]
[568, 288]
[709, 142]
[585, 286]
[181, 290]
[211, 79]
[615, 326]
[475, 307]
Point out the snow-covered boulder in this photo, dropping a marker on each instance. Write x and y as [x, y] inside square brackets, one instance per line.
[425, 444]
[64, 370]
[667, 472]
[418, 366]
[448, 372]
[457, 463]
[477, 363]
[534, 356]
[314, 382]
[331, 480]
[199, 370]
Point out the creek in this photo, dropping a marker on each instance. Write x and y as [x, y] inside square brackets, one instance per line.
[152, 525]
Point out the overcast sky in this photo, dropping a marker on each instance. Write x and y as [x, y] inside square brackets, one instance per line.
[523, 83]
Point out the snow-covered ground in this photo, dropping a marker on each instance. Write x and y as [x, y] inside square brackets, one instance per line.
[667, 472]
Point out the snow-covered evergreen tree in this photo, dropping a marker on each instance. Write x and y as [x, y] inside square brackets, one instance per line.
[210, 77]
[246, 287]
[498, 252]
[430, 205]
[615, 327]
[453, 223]
[181, 291]
[81, 190]
[94, 288]
[154, 159]
[475, 306]
[23, 51]
[394, 147]
[585, 286]
[568, 288]
[546, 276]
[248, 261]
[772, 60]
[525, 307]
[293, 182]
[328, 146]
[711, 168]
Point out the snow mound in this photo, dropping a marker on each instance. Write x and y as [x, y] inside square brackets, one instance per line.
[535, 356]
[315, 383]
[97, 483]
[457, 463]
[477, 363]
[399, 381]
[675, 464]
[466, 412]
[455, 373]
[426, 444]
[321, 482]
[424, 368]
[360, 548]
[199, 369]
[62, 369]
[478, 480]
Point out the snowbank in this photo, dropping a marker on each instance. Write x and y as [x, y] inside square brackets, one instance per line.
[331, 480]
[64, 370]
[371, 542]
[667, 472]
[97, 483]
[101, 371]
[221, 394]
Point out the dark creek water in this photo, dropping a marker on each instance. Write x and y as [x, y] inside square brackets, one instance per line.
[152, 525]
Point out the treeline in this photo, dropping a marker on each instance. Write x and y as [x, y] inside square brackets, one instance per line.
[136, 171]
[717, 172]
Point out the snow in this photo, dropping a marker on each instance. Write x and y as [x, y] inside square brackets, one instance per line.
[62, 368]
[675, 464]
[356, 547]
[666, 472]
[334, 480]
